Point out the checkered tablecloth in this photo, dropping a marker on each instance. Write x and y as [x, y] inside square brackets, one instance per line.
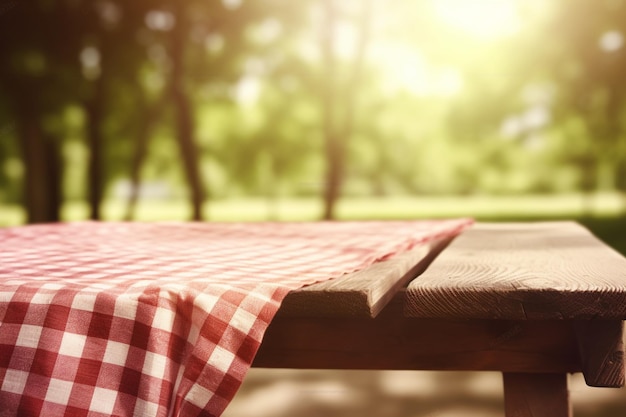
[160, 319]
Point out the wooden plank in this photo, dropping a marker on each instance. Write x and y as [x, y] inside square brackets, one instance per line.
[392, 341]
[518, 271]
[536, 395]
[363, 293]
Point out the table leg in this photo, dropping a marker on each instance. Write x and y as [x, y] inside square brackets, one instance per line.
[536, 395]
[601, 351]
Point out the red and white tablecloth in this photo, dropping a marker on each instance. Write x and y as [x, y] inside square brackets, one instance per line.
[160, 319]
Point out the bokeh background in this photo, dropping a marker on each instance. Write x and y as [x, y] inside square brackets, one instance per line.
[222, 110]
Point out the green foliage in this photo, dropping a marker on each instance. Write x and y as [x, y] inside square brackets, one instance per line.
[440, 108]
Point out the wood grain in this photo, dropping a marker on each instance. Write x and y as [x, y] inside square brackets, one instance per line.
[536, 395]
[519, 271]
[363, 293]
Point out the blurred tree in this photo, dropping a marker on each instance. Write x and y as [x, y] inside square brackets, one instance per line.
[115, 52]
[151, 114]
[36, 74]
[209, 44]
[185, 125]
[580, 51]
[319, 97]
[339, 96]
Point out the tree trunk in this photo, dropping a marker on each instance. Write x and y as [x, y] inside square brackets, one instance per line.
[184, 115]
[333, 147]
[620, 183]
[53, 177]
[151, 114]
[95, 180]
[42, 178]
[337, 136]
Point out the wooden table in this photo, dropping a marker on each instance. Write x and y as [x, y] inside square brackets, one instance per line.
[535, 301]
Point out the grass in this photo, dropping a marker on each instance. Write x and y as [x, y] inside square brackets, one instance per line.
[602, 213]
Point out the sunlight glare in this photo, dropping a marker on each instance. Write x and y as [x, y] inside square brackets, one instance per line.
[611, 41]
[247, 90]
[405, 69]
[483, 19]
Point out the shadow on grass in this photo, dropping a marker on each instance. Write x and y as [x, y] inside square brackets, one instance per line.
[312, 393]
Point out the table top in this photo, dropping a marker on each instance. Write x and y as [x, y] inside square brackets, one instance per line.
[522, 271]
[511, 271]
[516, 298]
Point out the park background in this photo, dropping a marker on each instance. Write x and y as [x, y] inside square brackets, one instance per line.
[238, 110]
